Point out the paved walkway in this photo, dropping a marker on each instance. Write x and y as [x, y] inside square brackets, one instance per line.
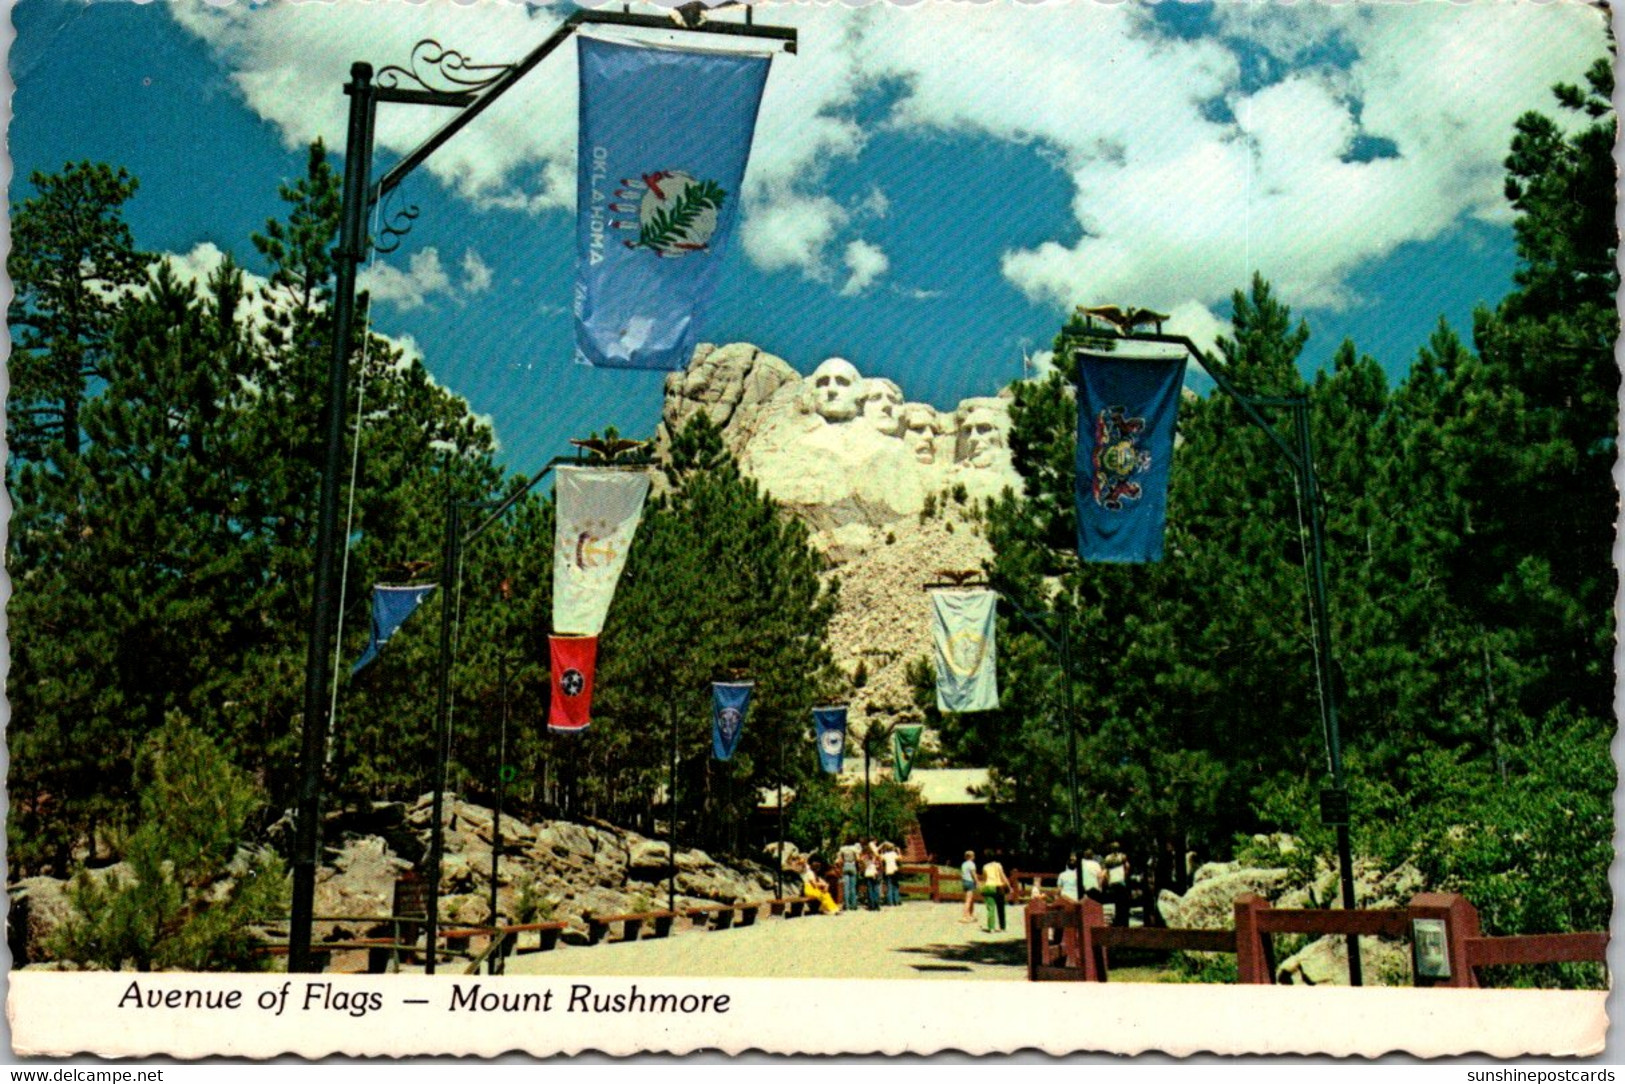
[915, 941]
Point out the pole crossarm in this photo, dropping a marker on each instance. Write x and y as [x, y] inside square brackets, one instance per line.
[473, 103]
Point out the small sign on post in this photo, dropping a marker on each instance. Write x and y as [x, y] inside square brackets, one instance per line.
[1334, 806]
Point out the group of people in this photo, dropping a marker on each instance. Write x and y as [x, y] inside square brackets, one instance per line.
[1104, 880]
[869, 871]
[992, 886]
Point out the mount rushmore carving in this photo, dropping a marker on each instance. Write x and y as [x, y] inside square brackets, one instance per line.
[846, 453]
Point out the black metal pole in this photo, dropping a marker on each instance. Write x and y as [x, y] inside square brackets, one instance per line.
[868, 818]
[1310, 491]
[449, 556]
[779, 873]
[318, 675]
[1071, 727]
[496, 818]
[671, 814]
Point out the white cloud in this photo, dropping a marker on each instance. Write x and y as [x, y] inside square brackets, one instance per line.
[1185, 179]
[476, 273]
[865, 263]
[409, 289]
[792, 232]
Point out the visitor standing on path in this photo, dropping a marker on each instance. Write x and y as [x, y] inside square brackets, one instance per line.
[871, 876]
[1067, 883]
[995, 885]
[967, 881]
[888, 865]
[849, 873]
[1117, 883]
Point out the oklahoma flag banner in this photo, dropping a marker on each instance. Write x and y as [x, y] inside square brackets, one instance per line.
[1127, 408]
[905, 742]
[665, 134]
[730, 700]
[829, 724]
[597, 512]
[573, 659]
[391, 606]
[962, 641]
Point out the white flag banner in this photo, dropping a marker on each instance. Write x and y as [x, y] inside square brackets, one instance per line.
[597, 511]
[962, 636]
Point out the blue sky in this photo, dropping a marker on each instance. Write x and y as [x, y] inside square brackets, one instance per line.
[933, 187]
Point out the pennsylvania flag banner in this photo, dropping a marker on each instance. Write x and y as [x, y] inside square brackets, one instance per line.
[391, 606]
[665, 133]
[905, 742]
[730, 700]
[962, 641]
[1127, 408]
[597, 512]
[572, 661]
[829, 725]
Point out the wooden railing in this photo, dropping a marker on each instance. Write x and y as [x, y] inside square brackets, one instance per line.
[1069, 941]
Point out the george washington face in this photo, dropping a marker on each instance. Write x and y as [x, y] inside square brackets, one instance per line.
[836, 390]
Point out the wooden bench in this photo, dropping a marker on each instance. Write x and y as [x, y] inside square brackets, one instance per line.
[546, 940]
[720, 916]
[789, 906]
[659, 923]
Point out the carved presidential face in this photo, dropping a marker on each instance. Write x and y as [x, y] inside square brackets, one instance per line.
[981, 436]
[836, 390]
[882, 401]
[920, 428]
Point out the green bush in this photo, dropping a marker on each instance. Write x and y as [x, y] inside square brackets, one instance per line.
[195, 890]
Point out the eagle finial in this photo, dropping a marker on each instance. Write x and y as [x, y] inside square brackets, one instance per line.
[607, 450]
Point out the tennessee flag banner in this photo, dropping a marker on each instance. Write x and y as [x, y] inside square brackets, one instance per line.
[572, 659]
[665, 134]
[597, 512]
[962, 642]
[391, 606]
[905, 743]
[1127, 409]
[730, 700]
[829, 727]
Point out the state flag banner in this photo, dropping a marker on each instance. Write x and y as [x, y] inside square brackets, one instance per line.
[1127, 410]
[905, 744]
[829, 731]
[962, 624]
[391, 606]
[664, 138]
[572, 659]
[730, 700]
[597, 512]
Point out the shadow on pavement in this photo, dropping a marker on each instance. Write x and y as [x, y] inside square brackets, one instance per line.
[986, 953]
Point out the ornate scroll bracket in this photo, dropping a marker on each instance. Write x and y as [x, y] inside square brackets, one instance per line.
[439, 70]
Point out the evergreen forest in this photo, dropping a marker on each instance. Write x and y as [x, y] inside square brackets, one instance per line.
[164, 461]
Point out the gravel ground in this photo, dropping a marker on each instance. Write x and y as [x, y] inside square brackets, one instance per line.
[915, 941]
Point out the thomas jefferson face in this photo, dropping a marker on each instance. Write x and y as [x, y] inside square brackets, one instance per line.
[836, 388]
[881, 402]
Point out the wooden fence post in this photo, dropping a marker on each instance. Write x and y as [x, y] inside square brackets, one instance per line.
[1460, 923]
[1252, 958]
[1090, 953]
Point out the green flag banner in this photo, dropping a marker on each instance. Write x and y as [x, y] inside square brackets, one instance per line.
[905, 742]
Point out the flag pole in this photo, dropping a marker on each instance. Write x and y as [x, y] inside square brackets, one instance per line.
[671, 812]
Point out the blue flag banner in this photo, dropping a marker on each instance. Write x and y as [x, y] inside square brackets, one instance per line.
[391, 606]
[665, 134]
[1127, 409]
[730, 700]
[829, 727]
